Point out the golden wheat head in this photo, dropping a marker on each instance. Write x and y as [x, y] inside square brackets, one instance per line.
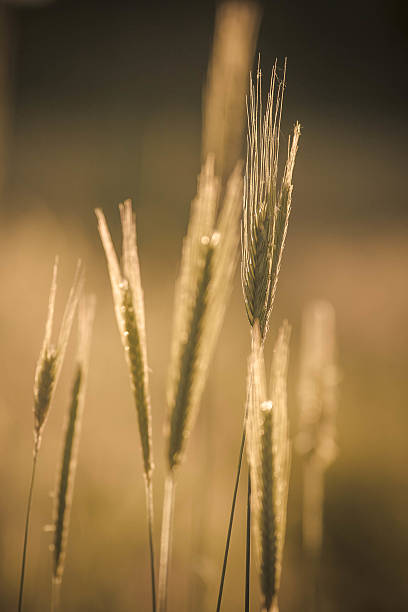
[204, 283]
[65, 486]
[129, 309]
[52, 356]
[266, 204]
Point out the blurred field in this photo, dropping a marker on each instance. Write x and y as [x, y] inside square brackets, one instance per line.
[347, 243]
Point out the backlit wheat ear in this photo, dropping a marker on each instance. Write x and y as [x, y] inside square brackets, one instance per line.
[51, 357]
[129, 309]
[269, 460]
[205, 281]
[208, 262]
[47, 372]
[66, 478]
[266, 205]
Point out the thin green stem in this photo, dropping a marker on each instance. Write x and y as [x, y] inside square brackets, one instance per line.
[149, 506]
[166, 537]
[231, 518]
[27, 524]
[248, 548]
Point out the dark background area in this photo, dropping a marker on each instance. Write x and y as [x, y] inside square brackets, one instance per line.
[102, 101]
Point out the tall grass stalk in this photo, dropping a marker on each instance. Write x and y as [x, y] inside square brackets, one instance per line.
[266, 210]
[46, 376]
[268, 452]
[205, 280]
[66, 478]
[316, 440]
[129, 309]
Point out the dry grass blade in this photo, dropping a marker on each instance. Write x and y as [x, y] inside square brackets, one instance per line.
[269, 459]
[266, 205]
[65, 486]
[205, 281]
[129, 309]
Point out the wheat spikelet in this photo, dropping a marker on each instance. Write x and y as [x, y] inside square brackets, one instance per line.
[266, 205]
[205, 281]
[268, 453]
[51, 357]
[65, 486]
[129, 309]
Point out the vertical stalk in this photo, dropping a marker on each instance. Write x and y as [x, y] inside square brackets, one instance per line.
[231, 518]
[313, 526]
[55, 595]
[166, 538]
[149, 507]
[27, 524]
[248, 547]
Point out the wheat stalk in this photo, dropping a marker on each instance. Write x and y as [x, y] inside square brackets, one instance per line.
[47, 372]
[129, 309]
[207, 267]
[269, 460]
[316, 440]
[266, 211]
[66, 478]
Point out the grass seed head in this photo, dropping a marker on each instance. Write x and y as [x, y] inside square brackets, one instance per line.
[51, 357]
[266, 204]
[129, 309]
[205, 281]
[66, 477]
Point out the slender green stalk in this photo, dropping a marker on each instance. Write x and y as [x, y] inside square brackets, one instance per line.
[231, 519]
[27, 525]
[166, 537]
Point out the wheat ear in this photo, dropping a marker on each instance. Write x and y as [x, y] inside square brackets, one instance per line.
[266, 211]
[269, 460]
[316, 440]
[266, 204]
[129, 309]
[47, 372]
[205, 281]
[66, 477]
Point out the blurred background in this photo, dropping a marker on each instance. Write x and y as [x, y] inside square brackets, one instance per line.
[100, 101]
